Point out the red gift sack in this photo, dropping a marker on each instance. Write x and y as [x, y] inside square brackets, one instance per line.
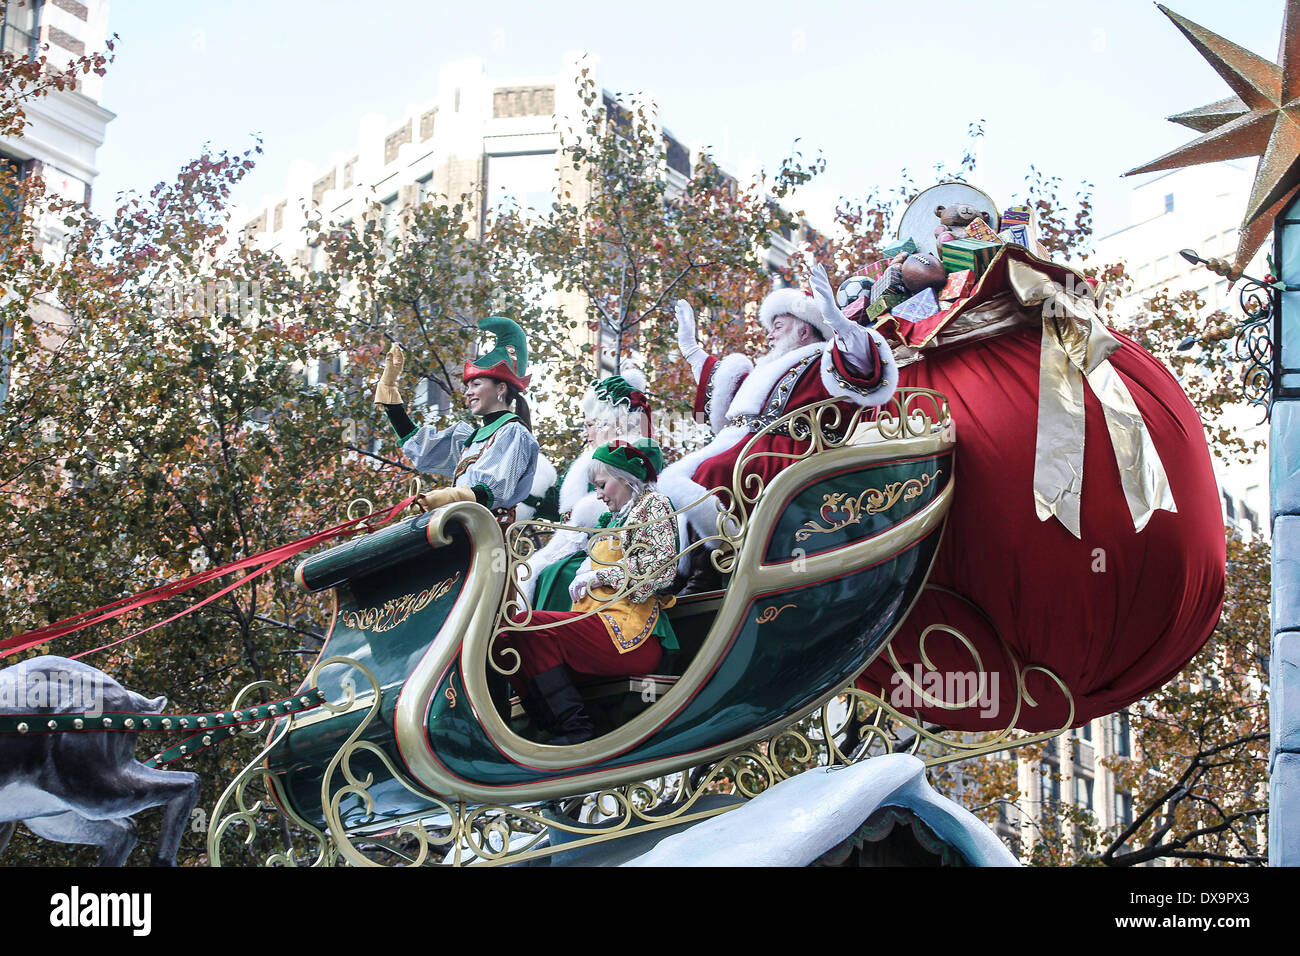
[1114, 613]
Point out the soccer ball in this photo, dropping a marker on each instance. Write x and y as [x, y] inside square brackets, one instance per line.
[852, 289]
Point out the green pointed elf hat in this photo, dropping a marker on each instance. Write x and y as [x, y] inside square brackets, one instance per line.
[508, 359]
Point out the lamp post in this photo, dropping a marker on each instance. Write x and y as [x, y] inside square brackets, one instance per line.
[1255, 333]
[1268, 343]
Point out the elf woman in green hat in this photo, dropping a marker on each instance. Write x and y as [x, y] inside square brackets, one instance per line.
[616, 623]
[492, 463]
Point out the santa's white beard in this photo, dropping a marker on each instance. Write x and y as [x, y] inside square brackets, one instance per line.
[786, 343]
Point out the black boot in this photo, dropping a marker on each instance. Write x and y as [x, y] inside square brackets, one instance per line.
[703, 575]
[570, 722]
[499, 689]
[539, 715]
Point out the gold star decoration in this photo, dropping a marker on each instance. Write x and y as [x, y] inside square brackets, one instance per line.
[1262, 119]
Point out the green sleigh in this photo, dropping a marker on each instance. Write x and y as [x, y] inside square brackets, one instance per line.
[824, 564]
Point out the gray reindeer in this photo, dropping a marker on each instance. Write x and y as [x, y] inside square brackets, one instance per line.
[83, 786]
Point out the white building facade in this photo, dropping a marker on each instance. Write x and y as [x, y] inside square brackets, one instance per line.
[65, 128]
[496, 140]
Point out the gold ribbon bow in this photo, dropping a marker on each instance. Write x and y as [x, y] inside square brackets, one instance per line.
[1077, 346]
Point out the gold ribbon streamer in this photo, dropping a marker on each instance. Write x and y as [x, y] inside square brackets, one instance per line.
[1076, 346]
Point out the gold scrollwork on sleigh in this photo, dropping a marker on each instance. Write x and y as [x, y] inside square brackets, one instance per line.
[395, 611]
[772, 613]
[870, 501]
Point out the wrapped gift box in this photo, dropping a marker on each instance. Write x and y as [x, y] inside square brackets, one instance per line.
[906, 246]
[973, 254]
[884, 304]
[873, 270]
[1017, 216]
[1016, 234]
[918, 307]
[979, 229]
[889, 282]
[960, 284]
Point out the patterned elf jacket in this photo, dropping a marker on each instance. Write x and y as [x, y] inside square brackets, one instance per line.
[641, 558]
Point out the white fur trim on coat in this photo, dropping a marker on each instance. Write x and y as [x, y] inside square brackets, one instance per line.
[753, 392]
[701, 509]
[839, 388]
[575, 482]
[790, 301]
[678, 483]
[587, 511]
[728, 374]
[543, 480]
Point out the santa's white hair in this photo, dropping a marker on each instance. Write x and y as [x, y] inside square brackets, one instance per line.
[792, 302]
[628, 423]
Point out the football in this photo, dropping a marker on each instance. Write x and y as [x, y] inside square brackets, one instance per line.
[852, 288]
[922, 271]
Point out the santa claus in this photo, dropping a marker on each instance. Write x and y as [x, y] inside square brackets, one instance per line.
[737, 397]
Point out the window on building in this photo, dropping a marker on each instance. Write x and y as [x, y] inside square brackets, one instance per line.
[1204, 295]
[424, 189]
[18, 31]
[429, 395]
[1085, 732]
[1123, 809]
[1221, 293]
[1120, 731]
[1049, 782]
[320, 371]
[1083, 792]
[6, 345]
[678, 156]
[389, 218]
[1163, 268]
[1169, 202]
[1207, 247]
[1144, 275]
[525, 181]
[12, 172]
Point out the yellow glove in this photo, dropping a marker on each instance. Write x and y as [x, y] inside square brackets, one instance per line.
[386, 391]
[443, 496]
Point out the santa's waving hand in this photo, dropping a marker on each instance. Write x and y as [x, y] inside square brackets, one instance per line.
[854, 340]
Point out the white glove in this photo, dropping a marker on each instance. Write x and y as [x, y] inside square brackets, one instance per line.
[855, 340]
[582, 582]
[686, 343]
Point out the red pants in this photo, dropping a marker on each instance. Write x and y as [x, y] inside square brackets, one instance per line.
[583, 645]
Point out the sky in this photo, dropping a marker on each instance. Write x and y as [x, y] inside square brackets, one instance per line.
[1076, 91]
